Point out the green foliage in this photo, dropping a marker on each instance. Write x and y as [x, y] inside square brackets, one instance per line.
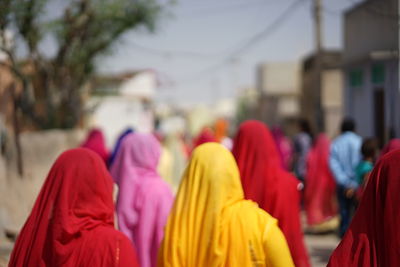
[85, 30]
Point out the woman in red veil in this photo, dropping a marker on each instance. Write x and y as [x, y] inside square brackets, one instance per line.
[373, 238]
[267, 183]
[320, 191]
[72, 221]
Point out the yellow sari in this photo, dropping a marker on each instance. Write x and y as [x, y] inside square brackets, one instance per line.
[212, 225]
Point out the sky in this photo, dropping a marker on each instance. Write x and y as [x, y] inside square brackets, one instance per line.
[192, 49]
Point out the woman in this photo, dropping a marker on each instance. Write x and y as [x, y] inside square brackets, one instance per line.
[212, 225]
[144, 198]
[267, 183]
[95, 142]
[320, 192]
[373, 238]
[72, 221]
[284, 147]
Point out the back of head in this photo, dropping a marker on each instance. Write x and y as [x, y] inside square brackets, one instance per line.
[256, 153]
[210, 185]
[139, 151]
[76, 197]
[304, 126]
[254, 140]
[369, 148]
[348, 125]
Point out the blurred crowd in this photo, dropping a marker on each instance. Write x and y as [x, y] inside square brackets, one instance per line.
[226, 197]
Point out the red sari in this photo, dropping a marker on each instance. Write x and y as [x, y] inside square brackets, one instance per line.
[205, 136]
[72, 221]
[267, 183]
[373, 238]
[320, 191]
[392, 145]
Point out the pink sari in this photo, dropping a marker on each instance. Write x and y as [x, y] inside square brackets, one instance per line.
[144, 199]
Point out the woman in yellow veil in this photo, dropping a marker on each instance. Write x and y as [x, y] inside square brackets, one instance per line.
[212, 225]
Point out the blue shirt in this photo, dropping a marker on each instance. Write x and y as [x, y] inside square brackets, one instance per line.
[344, 157]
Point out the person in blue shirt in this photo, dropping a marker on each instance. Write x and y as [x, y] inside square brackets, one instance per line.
[345, 155]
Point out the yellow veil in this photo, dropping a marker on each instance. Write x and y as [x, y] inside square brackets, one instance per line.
[211, 223]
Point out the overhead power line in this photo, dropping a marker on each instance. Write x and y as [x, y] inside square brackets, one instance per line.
[172, 53]
[206, 12]
[252, 41]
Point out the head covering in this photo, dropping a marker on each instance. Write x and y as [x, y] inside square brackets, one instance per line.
[118, 145]
[205, 136]
[284, 147]
[392, 145]
[144, 199]
[211, 224]
[373, 238]
[221, 129]
[320, 191]
[72, 221]
[267, 183]
[95, 142]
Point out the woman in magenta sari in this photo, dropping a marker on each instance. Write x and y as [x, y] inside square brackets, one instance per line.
[284, 146]
[320, 191]
[144, 198]
[95, 142]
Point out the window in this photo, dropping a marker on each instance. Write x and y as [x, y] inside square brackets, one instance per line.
[378, 73]
[355, 78]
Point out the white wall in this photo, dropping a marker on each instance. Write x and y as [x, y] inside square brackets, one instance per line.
[115, 113]
[279, 78]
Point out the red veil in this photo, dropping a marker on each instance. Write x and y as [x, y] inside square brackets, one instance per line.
[206, 135]
[373, 238]
[392, 145]
[72, 221]
[320, 191]
[267, 183]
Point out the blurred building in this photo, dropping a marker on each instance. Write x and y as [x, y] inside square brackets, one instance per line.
[331, 95]
[246, 105]
[121, 101]
[371, 68]
[278, 85]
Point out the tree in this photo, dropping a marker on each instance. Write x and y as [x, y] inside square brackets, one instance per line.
[51, 95]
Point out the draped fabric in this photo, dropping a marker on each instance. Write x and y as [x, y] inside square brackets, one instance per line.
[118, 145]
[212, 225]
[95, 142]
[392, 145]
[221, 129]
[320, 191]
[284, 146]
[267, 183]
[373, 238]
[144, 199]
[72, 221]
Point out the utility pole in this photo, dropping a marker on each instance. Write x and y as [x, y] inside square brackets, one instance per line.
[319, 113]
